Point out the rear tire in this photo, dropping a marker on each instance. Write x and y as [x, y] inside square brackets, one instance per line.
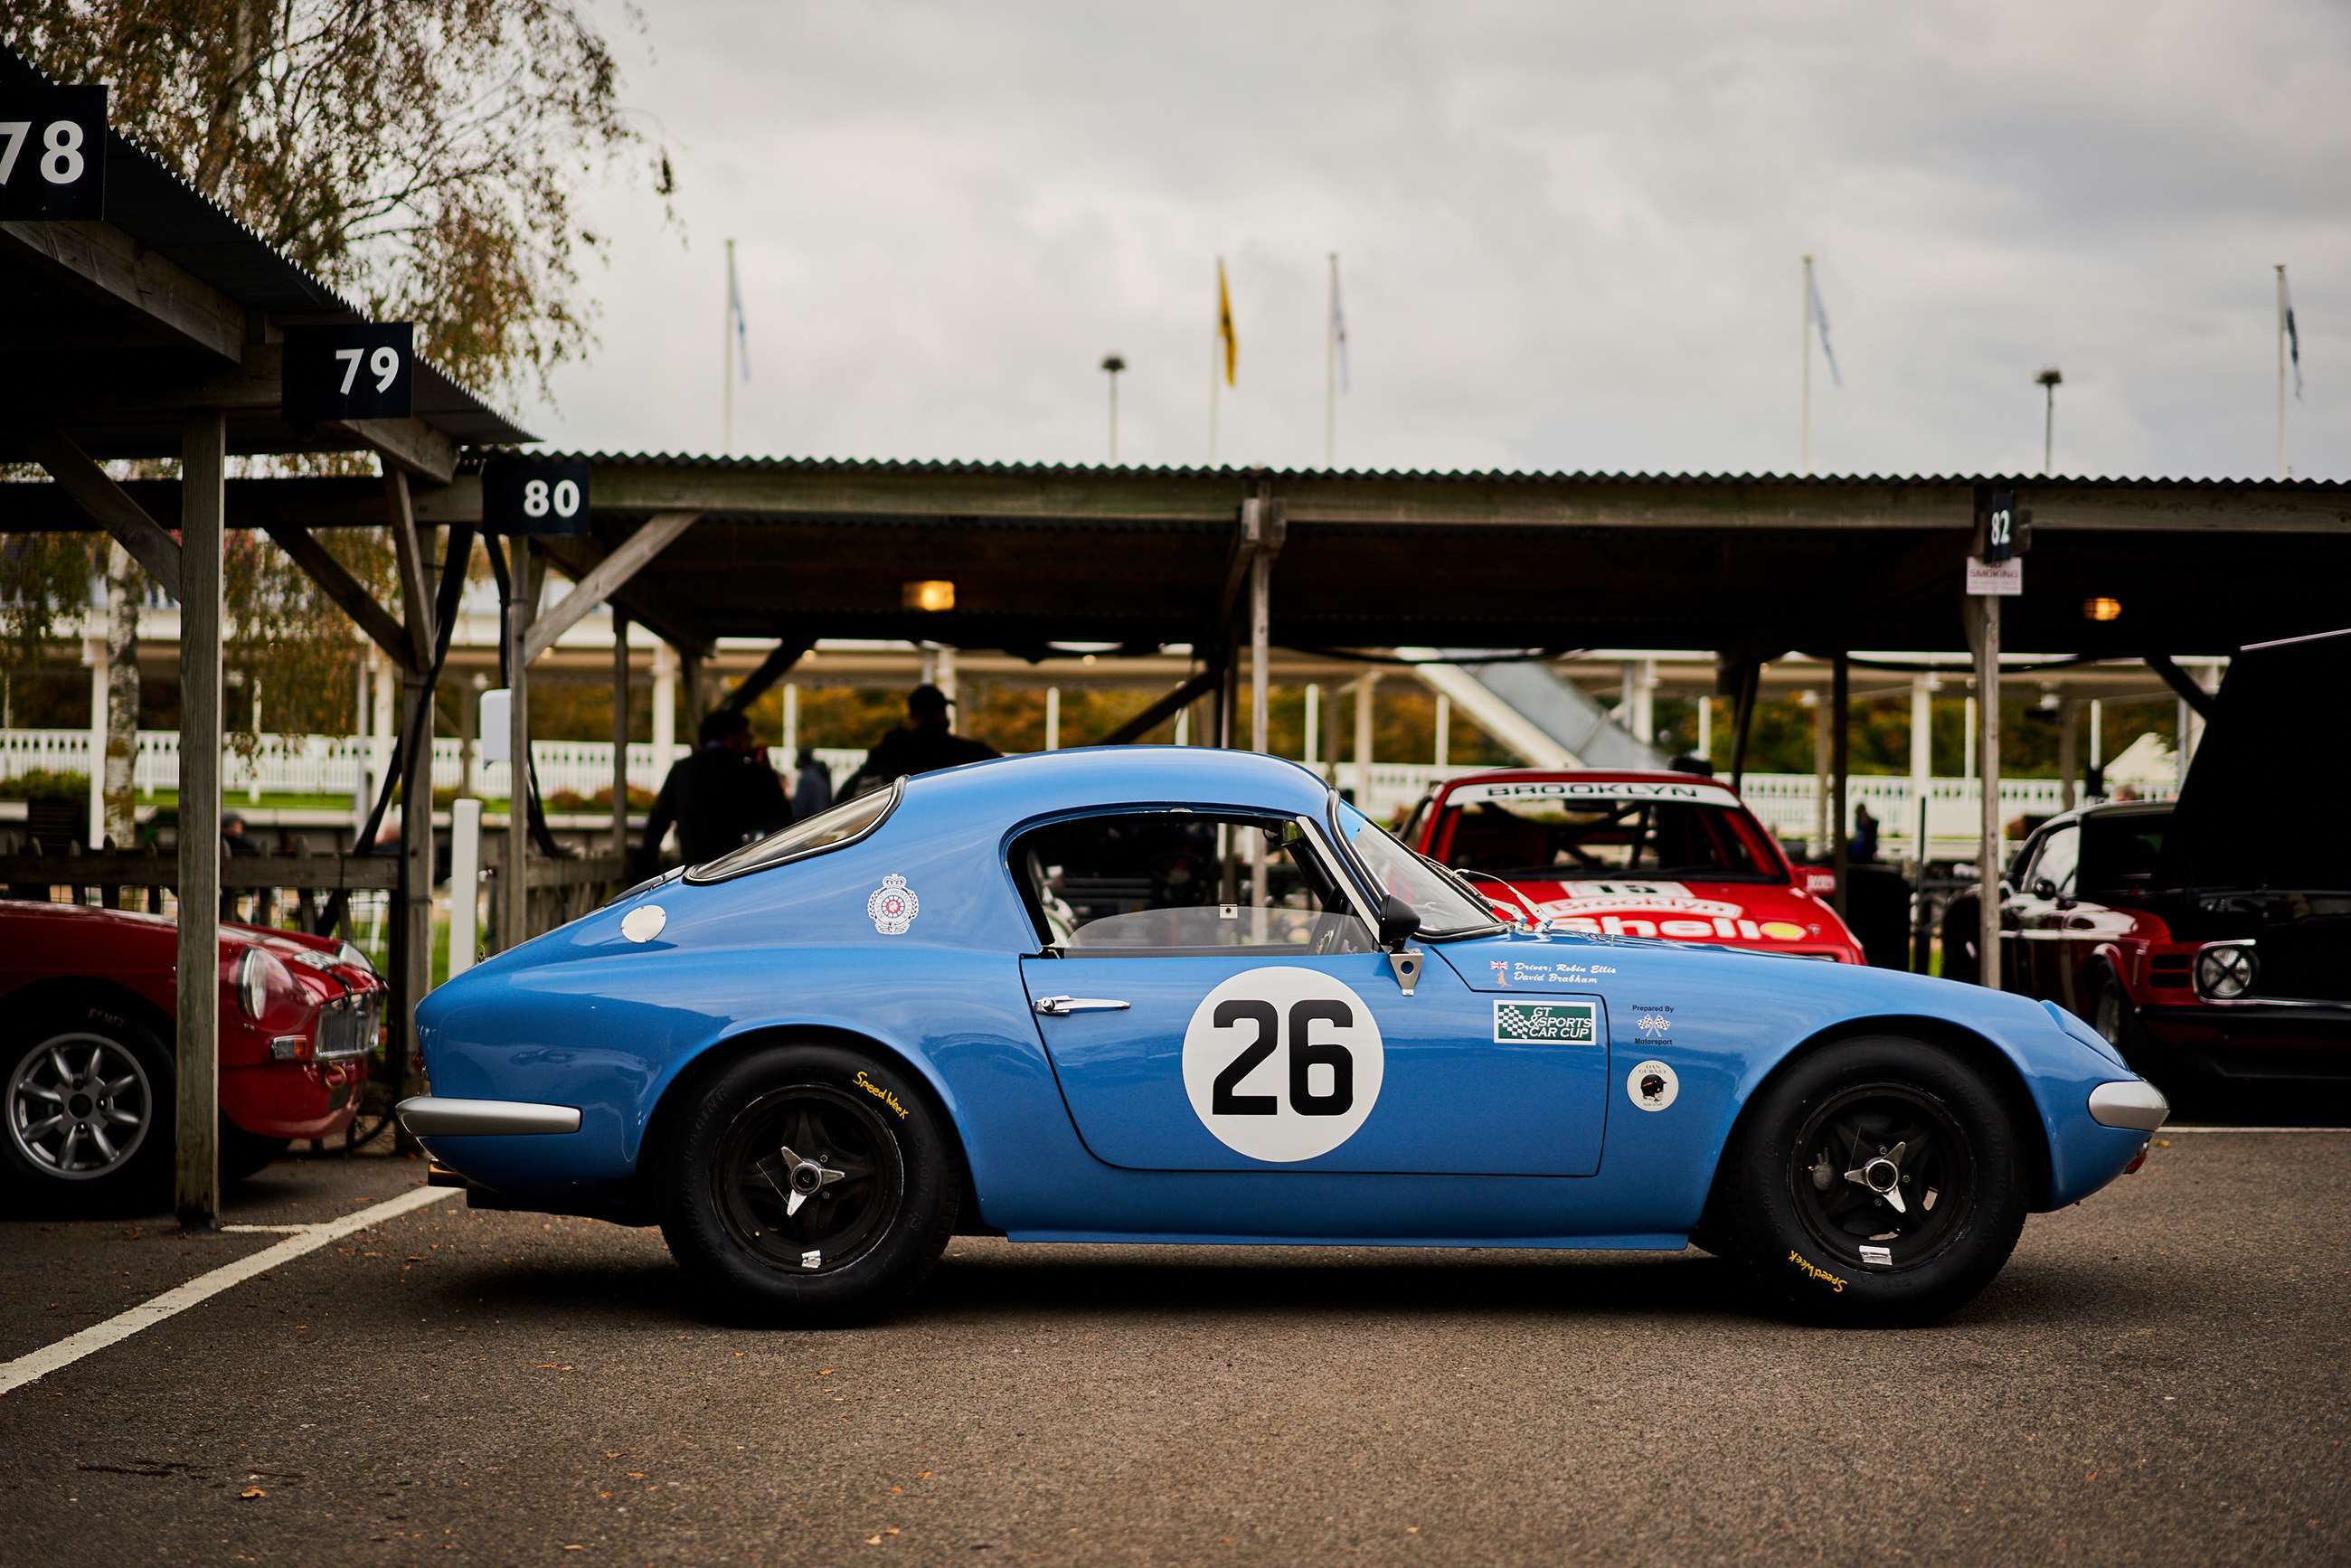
[88, 1096]
[1812, 1171]
[854, 1139]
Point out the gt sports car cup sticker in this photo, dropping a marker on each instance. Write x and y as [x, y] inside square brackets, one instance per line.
[1652, 1085]
[892, 907]
[1571, 1023]
[1282, 1065]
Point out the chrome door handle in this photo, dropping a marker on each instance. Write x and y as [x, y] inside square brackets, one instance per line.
[1054, 1007]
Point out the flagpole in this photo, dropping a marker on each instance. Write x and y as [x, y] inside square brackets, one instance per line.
[1804, 343]
[2281, 351]
[727, 425]
[1330, 372]
[1215, 359]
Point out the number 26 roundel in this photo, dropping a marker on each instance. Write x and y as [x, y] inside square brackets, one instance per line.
[1282, 1063]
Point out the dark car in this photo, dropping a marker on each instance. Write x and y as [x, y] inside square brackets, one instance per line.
[2208, 938]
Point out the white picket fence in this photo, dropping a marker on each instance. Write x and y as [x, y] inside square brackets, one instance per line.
[331, 764]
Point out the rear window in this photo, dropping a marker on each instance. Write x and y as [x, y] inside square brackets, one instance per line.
[2121, 853]
[844, 823]
[1560, 831]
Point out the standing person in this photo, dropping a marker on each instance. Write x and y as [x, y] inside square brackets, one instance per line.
[722, 795]
[1864, 834]
[924, 745]
[811, 788]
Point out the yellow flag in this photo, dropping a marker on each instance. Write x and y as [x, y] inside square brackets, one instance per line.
[1225, 323]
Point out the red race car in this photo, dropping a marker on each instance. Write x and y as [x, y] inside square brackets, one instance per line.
[87, 998]
[1628, 854]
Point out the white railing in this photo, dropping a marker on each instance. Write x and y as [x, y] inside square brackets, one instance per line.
[331, 765]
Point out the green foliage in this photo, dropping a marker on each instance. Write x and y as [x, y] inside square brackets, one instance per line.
[40, 784]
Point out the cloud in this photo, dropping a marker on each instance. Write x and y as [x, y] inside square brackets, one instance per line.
[1571, 233]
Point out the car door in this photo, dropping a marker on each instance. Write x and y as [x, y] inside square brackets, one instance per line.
[1274, 1034]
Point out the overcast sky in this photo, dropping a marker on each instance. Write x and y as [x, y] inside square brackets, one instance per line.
[1570, 234]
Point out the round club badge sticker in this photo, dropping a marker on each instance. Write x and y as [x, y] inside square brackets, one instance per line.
[892, 907]
[1282, 1065]
[1652, 1085]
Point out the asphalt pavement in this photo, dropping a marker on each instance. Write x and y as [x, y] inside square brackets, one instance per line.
[2159, 1375]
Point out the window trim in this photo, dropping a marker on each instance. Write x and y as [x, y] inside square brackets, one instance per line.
[889, 809]
[1368, 881]
[1335, 867]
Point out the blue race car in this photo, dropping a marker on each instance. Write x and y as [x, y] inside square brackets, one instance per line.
[1177, 994]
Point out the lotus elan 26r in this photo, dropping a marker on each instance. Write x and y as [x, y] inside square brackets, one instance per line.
[1177, 995]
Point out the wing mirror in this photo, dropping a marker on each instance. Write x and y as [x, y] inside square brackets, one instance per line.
[2043, 888]
[1398, 920]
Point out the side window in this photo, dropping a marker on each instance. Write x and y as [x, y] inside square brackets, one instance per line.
[1137, 883]
[2056, 861]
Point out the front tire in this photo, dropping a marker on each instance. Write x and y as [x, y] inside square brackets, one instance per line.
[809, 1184]
[88, 1097]
[1875, 1180]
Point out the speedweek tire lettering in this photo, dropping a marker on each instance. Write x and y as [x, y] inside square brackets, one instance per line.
[1283, 1063]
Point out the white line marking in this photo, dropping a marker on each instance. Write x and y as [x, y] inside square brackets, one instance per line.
[2160, 1133]
[265, 1229]
[15, 1374]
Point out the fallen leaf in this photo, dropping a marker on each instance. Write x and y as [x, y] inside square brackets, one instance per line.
[636, 1475]
[872, 1541]
[824, 1372]
[925, 1475]
[613, 1453]
[897, 1491]
[253, 1491]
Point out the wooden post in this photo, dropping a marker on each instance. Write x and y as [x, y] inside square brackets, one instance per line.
[414, 975]
[1840, 766]
[621, 739]
[514, 896]
[2069, 747]
[204, 460]
[1988, 856]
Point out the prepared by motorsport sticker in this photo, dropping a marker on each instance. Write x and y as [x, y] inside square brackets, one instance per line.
[892, 907]
[1569, 1020]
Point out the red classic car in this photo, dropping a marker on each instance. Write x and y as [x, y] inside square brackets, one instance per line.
[2211, 938]
[1628, 854]
[87, 998]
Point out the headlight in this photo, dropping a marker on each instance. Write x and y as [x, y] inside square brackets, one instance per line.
[258, 976]
[2225, 970]
[349, 957]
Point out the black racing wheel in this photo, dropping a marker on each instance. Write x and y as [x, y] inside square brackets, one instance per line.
[1875, 1180]
[88, 1096]
[808, 1184]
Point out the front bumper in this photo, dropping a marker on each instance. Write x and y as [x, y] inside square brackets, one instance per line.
[292, 1099]
[2255, 1040]
[440, 1116]
[2131, 1102]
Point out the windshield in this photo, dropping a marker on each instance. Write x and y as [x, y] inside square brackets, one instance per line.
[1560, 831]
[1445, 909]
[810, 835]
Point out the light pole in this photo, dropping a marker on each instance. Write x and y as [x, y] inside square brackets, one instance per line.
[1112, 364]
[2048, 381]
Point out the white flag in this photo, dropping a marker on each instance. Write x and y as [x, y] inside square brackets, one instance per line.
[1821, 318]
[735, 314]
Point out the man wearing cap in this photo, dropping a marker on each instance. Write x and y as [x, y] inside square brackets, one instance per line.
[924, 745]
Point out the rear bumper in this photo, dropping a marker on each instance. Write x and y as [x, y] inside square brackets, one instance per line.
[439, 1116]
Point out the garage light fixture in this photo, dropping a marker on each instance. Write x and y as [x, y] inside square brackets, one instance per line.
[932, 594]
[2101, 608]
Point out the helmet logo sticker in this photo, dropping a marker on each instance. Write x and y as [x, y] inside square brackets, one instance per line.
[1652, 1085]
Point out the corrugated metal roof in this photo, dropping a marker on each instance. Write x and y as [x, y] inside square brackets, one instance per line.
[714, 461]
[146, 200]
